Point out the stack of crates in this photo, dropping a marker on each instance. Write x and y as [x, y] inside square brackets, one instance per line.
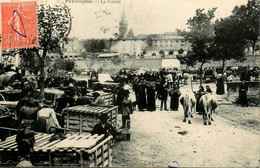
[84, 118]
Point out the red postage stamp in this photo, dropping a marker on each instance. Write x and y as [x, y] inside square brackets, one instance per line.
[19, 24]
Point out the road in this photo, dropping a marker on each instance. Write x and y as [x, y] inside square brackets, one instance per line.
[155, 141]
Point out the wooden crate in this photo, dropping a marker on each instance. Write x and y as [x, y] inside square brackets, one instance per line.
[74, 150]
[108, 97]
[84, 118]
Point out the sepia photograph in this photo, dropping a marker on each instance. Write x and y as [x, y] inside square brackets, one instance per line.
[130, 83]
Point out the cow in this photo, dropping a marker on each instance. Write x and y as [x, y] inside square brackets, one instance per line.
[188, 101]
[209, 103]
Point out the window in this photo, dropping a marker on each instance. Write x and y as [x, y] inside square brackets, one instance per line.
[166, 45]
[171, 41]
[177, 41]
[171, 45]
[165, 41]
[182, 45]
[161, 45]
[182, 41]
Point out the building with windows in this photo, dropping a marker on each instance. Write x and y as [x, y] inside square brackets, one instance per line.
[131, 47]
[169, 43]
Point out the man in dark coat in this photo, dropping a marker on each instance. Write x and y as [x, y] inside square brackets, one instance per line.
[243, 94]
[151, 96]
[163, 93]
[199, 94]
[175, 94]
[103, 127]
[220, 85]
[142, 95]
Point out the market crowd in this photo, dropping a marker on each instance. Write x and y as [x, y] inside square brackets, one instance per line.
[161, 85]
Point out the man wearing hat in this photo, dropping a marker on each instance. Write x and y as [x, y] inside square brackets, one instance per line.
[127, 108]
[45, 117]
[98, 100]
[103, 127]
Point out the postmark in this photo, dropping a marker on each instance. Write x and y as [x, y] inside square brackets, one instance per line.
[19, 24]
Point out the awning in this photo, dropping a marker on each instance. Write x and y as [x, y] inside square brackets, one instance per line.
[108, 55]
[171, 63]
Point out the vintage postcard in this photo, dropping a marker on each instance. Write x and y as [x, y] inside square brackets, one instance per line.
[129, 83]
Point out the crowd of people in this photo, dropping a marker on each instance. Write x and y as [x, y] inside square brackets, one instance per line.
[147, 87]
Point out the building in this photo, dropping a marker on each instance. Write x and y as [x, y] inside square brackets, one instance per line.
[148, 45]
[70, 50]
[132, 47]
[127, 43]
[73, 45]
[169, 43]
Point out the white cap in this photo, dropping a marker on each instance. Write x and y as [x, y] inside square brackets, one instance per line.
[127, 87]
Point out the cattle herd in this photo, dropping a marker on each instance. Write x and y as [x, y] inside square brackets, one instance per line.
[208, 102]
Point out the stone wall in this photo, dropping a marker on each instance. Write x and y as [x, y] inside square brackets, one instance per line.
[155, 63]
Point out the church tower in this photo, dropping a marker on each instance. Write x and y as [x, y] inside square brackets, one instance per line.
[123, 25]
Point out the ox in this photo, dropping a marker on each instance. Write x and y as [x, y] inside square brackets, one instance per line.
[209, 103]
[188, 102]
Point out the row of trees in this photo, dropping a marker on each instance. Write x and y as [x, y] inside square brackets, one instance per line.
[224, 39]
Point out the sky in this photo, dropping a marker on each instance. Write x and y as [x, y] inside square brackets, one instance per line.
[100, 18]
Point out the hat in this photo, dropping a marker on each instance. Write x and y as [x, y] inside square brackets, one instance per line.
[127, 87]
[96, 93]
[46, 103]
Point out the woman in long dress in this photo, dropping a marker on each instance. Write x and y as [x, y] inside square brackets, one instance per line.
[175, 94]
[151, 96]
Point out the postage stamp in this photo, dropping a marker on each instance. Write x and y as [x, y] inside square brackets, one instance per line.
[19, 24]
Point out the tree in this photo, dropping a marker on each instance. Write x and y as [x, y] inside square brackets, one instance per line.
[180, 51]
[247, 18]
[161, 52]
[54, 23]
[95, 46]
[201, 37]
[229, 42]
[149, 40]
[67, 65]
[185, 59]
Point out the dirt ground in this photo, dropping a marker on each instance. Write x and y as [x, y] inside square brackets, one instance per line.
[155, 139]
